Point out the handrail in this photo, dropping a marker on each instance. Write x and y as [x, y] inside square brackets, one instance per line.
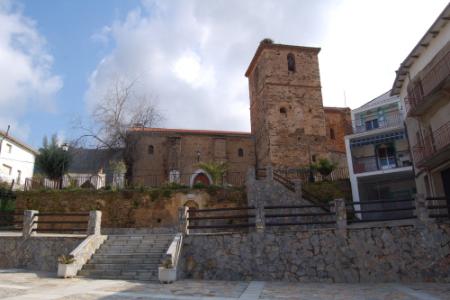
[378, 201]
[174, 250]
[194, 210]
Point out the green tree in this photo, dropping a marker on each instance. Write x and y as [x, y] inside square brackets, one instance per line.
[324, 167]
[215, 169]
[52, 160]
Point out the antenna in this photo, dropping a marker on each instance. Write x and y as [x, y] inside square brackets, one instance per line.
[7, 130]
[345, 100]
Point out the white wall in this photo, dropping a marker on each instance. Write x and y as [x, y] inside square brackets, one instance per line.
[20, 159]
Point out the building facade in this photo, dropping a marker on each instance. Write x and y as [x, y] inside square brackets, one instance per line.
[16, 161]
[423, 85]
[290, 127]
[378, 155]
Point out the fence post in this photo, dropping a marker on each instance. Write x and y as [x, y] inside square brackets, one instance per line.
[260, 220]
[421, 208]
[341, 213]
[94, 223]
[269, 173]
[183, 214]
[29, 223]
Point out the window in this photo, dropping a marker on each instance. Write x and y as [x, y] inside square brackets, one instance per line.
[314, 158]
[8, 148]
[6, 169]
[291, 62]
[283, 111]
[240, 152]
[174, 176]
[19, 176]
[372, 124]
[332, 136]
[151, 149]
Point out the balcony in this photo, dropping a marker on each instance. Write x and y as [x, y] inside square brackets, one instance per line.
[420, 92]
[375, 163]
[432, 150]
[389, 120]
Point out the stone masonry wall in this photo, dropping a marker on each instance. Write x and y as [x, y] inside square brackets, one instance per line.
[35, 253]
[379, 254]
[128, 209]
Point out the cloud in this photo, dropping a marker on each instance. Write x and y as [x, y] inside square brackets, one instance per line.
[193, 54]
[26, 80]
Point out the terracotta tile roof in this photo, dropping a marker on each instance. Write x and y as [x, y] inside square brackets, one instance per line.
[190, 131]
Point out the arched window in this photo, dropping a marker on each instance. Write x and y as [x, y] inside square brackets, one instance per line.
[241, 152]
[291, 62]
[332, 136]
[314, 158]
[283, 111]
[151, 149]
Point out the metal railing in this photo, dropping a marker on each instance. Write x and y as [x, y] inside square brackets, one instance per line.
[298, 215]
[61, 222]
[388, 120]
[431, 144]
[372, 163]
[430, 81]
[226, 219]
[439, 207]
[11, 221]
[380, 210]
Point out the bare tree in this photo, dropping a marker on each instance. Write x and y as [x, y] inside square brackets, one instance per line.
[118, 110]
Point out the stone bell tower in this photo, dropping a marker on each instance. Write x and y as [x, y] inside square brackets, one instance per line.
[286, 110]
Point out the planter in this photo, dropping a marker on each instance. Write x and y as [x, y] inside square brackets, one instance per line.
[67, 270]
[167, 275]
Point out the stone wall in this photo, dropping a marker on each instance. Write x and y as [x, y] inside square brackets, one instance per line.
[35, 253]
[129, 209]
[377, 254]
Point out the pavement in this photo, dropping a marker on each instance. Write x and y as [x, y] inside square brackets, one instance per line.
[21, 284]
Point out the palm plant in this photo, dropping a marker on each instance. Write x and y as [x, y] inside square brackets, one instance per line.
[215, 170]
[324, 167]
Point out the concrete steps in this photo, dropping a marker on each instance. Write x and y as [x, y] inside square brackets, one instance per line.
[128, 257]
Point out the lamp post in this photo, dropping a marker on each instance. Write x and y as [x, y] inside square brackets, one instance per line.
[311, 175]
[198, 155]
[64, 148]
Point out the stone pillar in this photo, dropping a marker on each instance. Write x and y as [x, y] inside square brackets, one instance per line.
[421, 208]
[95, 221]
[269, 172]
[298, 188]
[260, 220]
[29, 223]
[341, 213]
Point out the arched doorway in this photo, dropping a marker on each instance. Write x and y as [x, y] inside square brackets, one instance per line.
[200, 176]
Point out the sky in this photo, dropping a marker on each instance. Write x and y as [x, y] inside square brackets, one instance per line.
[59, 57]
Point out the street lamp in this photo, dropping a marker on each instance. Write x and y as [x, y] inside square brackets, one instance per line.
[64, 148]
[198, 155]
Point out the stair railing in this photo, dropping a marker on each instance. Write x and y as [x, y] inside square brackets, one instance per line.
[174, 250]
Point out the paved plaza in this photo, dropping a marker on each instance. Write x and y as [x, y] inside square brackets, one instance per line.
[20, 284]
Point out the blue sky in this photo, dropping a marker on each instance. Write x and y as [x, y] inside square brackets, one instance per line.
[57, 57]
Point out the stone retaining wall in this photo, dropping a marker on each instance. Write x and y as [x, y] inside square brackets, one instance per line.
[35, 253]
[377, 254]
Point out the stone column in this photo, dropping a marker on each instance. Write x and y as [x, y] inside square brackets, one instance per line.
[298, 188]
[260, 220]
[29, 223]
[95, 221]
[341, 213]
[269, 172]
[421, 208]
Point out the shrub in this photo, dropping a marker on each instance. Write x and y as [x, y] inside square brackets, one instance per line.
[324, 167]
[199, 185]
[66, 259]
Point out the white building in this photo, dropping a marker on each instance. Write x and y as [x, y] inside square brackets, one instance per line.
[378, 156]
[423, 84]
[16, 160]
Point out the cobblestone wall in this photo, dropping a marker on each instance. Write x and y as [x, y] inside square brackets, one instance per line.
[36, 253]
[380, 254]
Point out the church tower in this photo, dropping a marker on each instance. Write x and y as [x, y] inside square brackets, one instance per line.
[286, 109]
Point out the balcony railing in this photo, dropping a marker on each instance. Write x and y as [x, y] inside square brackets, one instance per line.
[432, 144]
[390, 120]
[419, 91]
[374, 163]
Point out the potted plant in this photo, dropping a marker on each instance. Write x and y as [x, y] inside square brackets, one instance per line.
[166, 272]
[66, 266]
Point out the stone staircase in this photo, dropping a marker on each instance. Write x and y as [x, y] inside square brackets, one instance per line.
[128, 257]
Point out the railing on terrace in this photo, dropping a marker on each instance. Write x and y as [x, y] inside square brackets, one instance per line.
[221, 218]
[298, 215]
[76, 222]
[11, 221]
[304, 174]
[439, 207]
[95, 181]
[432, 144]
[389, 120]
[380, 210]
[374, 163]
[431, 80]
